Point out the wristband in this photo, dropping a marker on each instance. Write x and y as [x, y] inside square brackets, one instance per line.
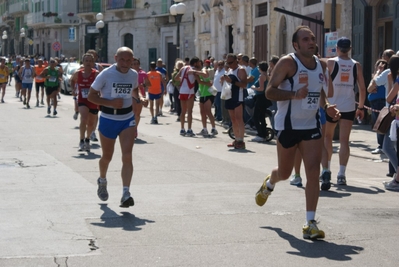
[360, 108]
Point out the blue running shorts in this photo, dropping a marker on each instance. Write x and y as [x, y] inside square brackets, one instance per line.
[112, 128]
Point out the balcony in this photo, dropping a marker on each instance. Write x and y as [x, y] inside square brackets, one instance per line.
[120, 8]
[19, 8]
[88, 9]
[37, 20]
[6, 18]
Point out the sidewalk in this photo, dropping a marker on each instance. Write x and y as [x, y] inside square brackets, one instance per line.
[363, 139]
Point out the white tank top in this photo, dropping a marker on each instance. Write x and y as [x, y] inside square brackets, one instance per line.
[27, 75]
[187, 81]
[301, 114]
[343, 84]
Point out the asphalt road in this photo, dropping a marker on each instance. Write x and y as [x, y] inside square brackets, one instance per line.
[194, 201]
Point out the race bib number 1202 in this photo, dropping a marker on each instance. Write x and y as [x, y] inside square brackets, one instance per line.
[121, 90]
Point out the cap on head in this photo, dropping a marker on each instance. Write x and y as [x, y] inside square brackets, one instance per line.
[208, 61]
[344, 43]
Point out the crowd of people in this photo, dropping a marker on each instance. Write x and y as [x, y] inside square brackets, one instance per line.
[309, 96]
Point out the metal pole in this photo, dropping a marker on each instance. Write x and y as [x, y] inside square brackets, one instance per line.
[178, 20]
[333, 15]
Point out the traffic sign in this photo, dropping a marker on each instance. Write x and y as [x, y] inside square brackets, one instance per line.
[56, 46]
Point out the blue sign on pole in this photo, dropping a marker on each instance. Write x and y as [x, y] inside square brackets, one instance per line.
[72, 34]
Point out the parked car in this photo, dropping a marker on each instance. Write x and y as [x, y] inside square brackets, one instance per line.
[69, 69]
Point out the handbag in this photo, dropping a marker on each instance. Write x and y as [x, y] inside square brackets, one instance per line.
[213, 90]
[226, 91]
[383, 122]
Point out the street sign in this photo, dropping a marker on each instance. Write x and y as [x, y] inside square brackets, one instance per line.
[30, 42]
[56, 46]
[330, 43]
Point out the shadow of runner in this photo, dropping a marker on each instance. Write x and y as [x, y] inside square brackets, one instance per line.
[126, 221]
[322, 249]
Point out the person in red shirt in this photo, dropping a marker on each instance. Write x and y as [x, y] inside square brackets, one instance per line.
[82, 79]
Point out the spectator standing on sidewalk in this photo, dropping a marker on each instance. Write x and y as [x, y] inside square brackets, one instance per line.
[237, 77]
[219, 72]
[377, 83]
[393, 97]
[176, 84]
[261, 103]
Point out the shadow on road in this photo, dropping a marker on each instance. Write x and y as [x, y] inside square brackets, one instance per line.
[317, 249]
[126, 221]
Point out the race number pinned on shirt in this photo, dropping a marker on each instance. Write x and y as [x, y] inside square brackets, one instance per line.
[121, 90]
[303, 77]
[345, 77]
[52, 79]
[84, 92]
[311, 102]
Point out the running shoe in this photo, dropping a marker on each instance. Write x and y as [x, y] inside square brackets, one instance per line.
[81, 145]
[55, 112]
[75, 116]
[42, 103]
[87, 145]
[49, 110]
[27, 105]
[155, 120]
[239, 145]
[258, 139]
[341, 180]
[24, 102]
[214, 132]
[190, 133]
[392, 185]
[152, 121]
[325, 179]
[232, 144]
[102, 192]
[203, 132]
[93, 137]
[296, 180]
[126, 200]
[183, 132]
[310, 231]
[2, 100]
[263, 193]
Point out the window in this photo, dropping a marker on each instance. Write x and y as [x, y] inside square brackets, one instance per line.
[128, 40]
[261, 10]
[312, 2]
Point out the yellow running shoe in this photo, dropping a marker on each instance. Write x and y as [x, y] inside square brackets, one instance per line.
[310, 231]
[263, 193]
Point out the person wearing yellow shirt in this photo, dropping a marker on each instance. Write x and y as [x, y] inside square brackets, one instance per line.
[3, 78]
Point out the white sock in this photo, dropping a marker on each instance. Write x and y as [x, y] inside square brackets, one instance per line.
[270, 185]
[125, 189]
[342, 170]
[102, 180]
[310, 216]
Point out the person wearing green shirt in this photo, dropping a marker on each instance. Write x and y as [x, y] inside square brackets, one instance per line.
[52, 75]
[204, 80]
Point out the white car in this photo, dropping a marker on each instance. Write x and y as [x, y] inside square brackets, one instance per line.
[69, 69]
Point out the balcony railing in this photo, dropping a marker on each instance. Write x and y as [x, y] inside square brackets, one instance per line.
[35, 19]
[118, 4]
[89, 6]
[20, 7]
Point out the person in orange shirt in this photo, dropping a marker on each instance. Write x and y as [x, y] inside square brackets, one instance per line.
[39, 81]
[154, 91]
